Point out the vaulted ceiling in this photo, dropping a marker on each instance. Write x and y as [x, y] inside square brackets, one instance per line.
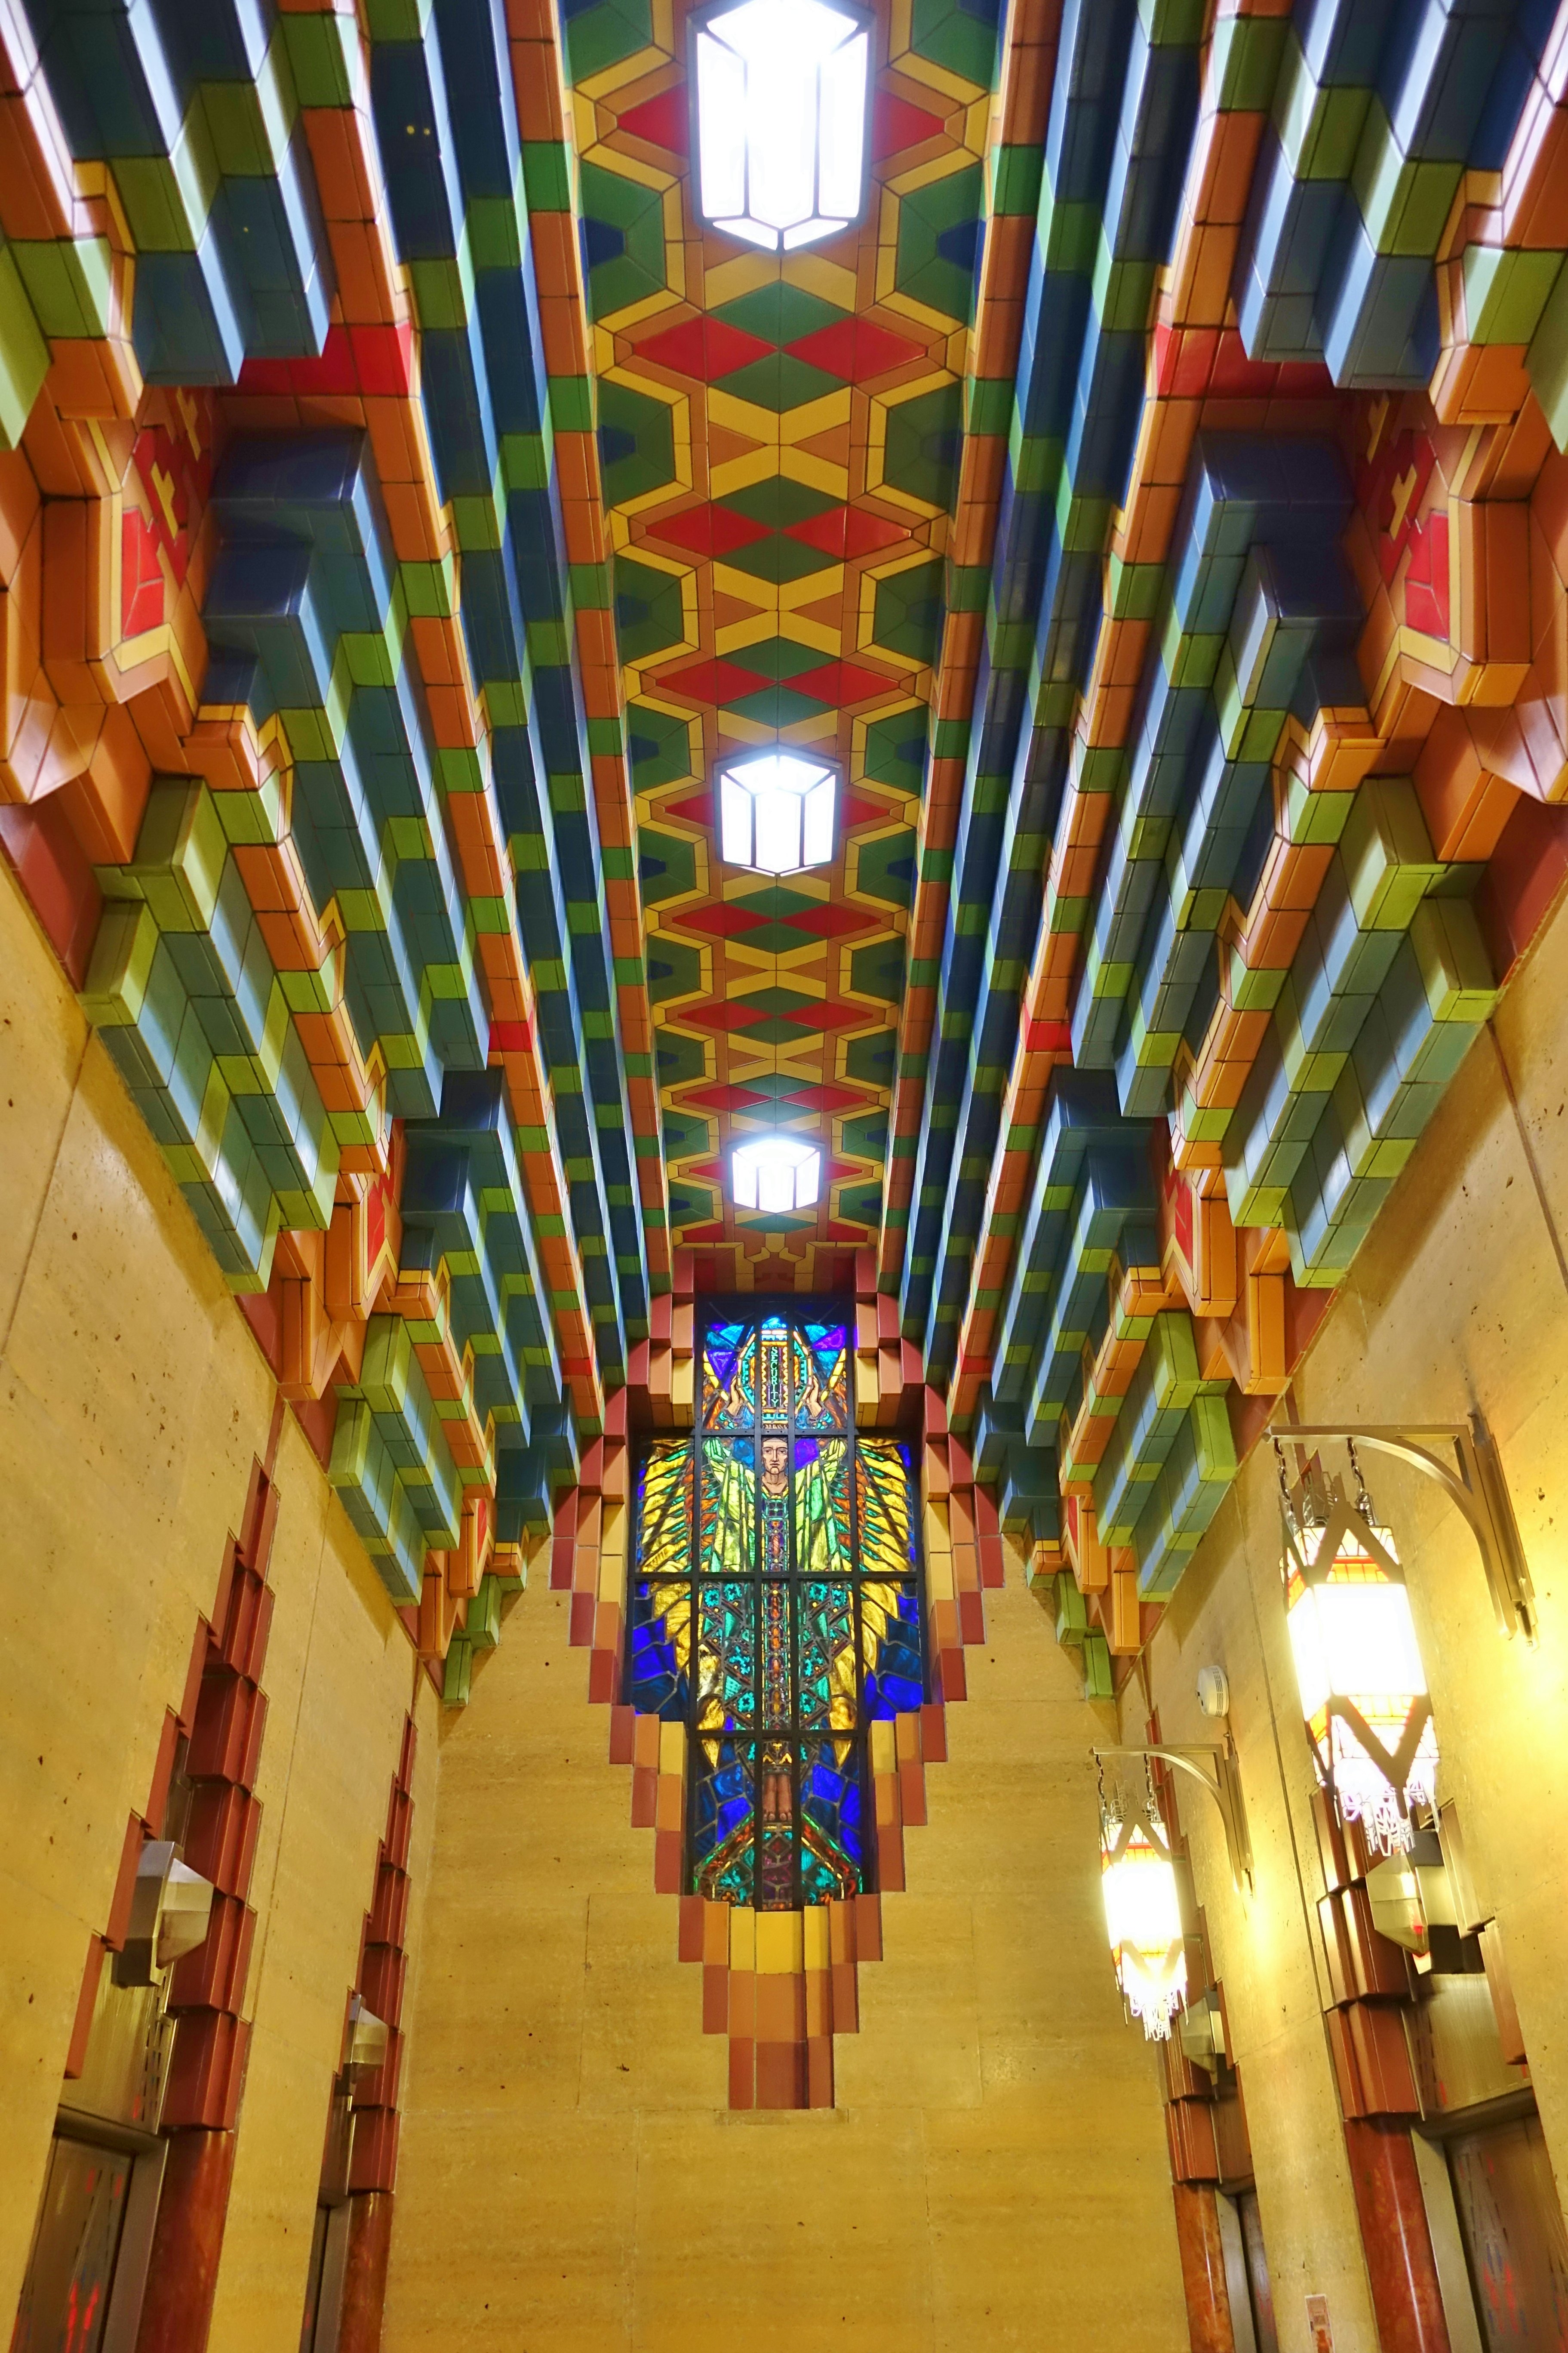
[781, 439]
[1155, 506]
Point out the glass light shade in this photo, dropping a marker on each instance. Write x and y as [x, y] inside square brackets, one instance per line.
[776, 812]
[775, 1172]
[1355, 1645]
[1143, 1920]
[781, 120]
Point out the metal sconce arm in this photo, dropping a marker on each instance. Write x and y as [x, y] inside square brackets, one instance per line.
[1212, 1765]
[1474, 1484]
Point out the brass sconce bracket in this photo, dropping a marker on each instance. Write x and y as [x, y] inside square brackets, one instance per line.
[1473, 1483]
[1212, 1765]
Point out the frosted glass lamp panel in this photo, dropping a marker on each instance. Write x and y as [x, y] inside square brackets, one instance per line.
[841, 152]
[735, 821]
[817, 830]
[1356, 1640]
[721, 127]
[777, 813]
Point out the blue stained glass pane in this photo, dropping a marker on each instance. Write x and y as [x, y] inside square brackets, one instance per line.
[831, 1859]
[659, 1653]
[895, 1653]
[723, 1821]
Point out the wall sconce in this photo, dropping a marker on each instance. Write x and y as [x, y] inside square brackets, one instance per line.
[1142, 1908]
[366, 2042]
[1358, 1664]
[171, 1909]
[1473, 1483]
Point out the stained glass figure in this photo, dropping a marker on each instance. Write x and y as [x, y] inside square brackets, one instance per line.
[776, 1608]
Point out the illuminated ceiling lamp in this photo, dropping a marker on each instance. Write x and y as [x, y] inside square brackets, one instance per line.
[775, 817]
[1358, 1664]
[782, 100]
[776, 812]
[775, 1172]
[1143, 1910]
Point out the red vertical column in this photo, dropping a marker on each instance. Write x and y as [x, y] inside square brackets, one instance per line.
[206, 2068]
[373, 2162]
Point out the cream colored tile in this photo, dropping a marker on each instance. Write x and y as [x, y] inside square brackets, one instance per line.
[43, 1038]
[778, 2231]
[642, 2039]
[259, 2300]
[522, 2238]
[1053, 2227]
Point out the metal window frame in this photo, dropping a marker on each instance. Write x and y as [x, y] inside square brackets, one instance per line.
[795, 1311]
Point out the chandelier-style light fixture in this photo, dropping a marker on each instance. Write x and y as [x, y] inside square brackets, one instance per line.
[1143, 1909]
[1358, 1664]
[781, 89]
[775, 811]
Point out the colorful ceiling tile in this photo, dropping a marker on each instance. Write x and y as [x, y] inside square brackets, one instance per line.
[1153, 507]
[801, 510]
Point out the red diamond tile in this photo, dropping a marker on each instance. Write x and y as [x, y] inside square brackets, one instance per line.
[896, 124]
[725, 1099]
[704, 348]
[719, 922]
[854, 350]
[664, 121]
[714, 682]
[846, 532]
[830, 1099]
[841, 683]
[830, 922]
[707, 531]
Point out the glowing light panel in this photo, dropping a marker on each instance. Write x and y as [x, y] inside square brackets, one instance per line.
[781, 120]
[775, 1172]
[776, 812]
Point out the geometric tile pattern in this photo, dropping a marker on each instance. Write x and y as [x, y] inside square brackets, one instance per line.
[1250, 828]
[779, 441]
[1156, 507]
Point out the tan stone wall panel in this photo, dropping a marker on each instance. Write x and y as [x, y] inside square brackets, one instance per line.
[572, 2176]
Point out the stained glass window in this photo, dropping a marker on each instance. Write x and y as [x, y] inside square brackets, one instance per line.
[776, 1608]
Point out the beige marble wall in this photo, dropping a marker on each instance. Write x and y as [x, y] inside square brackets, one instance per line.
[133, 1398]
[994, 2173]
[1459, 1301]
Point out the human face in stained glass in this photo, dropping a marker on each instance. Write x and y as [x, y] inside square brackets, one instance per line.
[776, 1608]
[775, 1466]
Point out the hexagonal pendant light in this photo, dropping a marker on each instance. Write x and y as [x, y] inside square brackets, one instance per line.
[782, 93]
[775, 811]
[775, 1172]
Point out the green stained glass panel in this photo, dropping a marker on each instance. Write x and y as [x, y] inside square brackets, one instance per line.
[827, 1655]
[729, 1508]
[726, 1656]
[882, 1494]
[822, 1507]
